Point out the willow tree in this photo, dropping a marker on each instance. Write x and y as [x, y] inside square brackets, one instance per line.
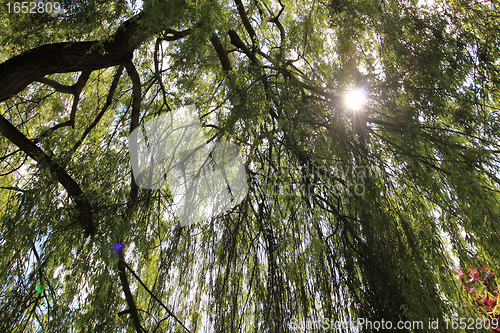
[350, 213]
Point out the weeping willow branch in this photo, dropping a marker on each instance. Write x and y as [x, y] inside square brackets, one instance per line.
[57, 86]
[221, 52]
[156, 298]
[32, 150]
[132, 308]
[18, 72]
[246, 23]
[76, 90]
[134, 122]
[109, 100]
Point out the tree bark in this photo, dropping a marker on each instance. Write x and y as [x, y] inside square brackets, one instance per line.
[32, 150]
[221, 52]
[18, 72]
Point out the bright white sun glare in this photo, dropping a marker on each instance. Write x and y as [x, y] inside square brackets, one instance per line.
[355, 99]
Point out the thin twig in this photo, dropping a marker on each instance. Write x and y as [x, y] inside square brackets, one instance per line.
[156, 298]
[132, 309]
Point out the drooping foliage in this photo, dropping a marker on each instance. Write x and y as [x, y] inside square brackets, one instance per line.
[350, 213]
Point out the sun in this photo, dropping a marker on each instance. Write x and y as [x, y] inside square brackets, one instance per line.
[355, 99]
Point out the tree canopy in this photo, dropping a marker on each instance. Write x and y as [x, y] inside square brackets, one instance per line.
[351, 212]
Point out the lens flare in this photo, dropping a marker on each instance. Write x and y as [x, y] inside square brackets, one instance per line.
[355, 99]
[117, 247]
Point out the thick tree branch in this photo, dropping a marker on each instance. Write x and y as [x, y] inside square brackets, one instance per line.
[246, 23]
[124, 312]
[32, 150]
[276, 20]
[18, 72]
[134, 122]
[82, 80]
[221, 52]
[236, 41]
[136, 94]
[171, 34]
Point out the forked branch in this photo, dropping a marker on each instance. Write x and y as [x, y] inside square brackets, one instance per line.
[18, 72]
[236, 41]
[76, 90]
[109, 100]
[246, 23]
[156, 298]
[57, 86]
